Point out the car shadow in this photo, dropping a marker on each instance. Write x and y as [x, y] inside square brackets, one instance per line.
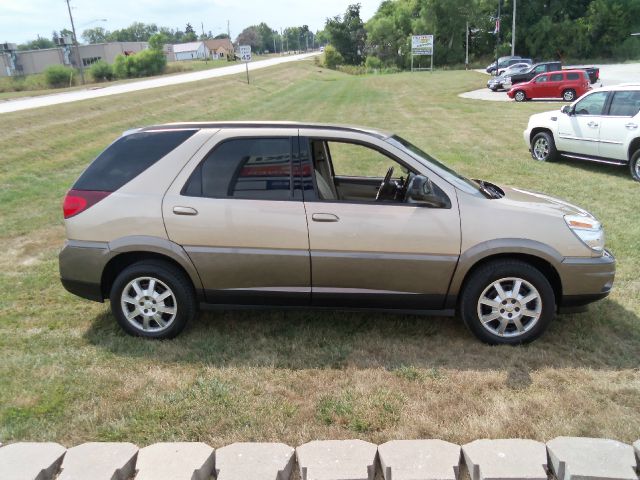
[619, 171]
[606, 337]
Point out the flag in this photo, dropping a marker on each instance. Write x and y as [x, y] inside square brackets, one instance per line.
[497, 26]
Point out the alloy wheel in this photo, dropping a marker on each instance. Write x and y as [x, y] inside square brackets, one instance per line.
[541, 149]
[520, 96]
[148, 304]
[509, 307]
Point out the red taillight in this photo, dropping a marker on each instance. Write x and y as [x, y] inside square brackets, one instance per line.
[77, 201]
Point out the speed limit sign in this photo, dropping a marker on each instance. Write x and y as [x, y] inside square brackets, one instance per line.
[245, 53]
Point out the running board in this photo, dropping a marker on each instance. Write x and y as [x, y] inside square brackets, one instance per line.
[598, 160]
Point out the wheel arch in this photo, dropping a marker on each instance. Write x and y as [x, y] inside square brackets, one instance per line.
[538, 255]
[127, 251]
[634, 146]
[537, 130]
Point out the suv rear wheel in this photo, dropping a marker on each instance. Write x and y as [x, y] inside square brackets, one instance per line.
[634, 166]
[569, 95]
[152, 299]
[543, 148]
[507, 302]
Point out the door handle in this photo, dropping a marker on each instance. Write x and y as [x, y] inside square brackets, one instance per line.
[324, 217]
[592, 124]
[631, 126]
[184, 211]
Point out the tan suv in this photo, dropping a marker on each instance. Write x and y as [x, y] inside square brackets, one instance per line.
[175, 217]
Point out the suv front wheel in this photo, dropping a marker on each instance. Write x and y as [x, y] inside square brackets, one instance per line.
[152, 299]
[507, 302]
[543, 148]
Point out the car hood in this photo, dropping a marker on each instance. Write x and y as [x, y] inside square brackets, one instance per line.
[541, 202]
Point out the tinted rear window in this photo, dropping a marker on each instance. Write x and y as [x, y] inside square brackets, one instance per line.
[573, 76]
[128, 157]
[556, 77]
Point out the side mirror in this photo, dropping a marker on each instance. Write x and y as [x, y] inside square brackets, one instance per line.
[421, 190]
[567, 110]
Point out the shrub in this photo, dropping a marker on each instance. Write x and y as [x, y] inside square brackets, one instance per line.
[58, 76]
[101, 71]
[373, 63]
[141, 64]
[332, 57]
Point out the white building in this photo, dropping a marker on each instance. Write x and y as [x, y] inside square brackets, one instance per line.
[190, 51]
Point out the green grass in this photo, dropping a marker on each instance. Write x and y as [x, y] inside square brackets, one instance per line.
[69, 374]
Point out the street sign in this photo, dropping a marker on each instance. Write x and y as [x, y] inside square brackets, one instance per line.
[422, 45]
[245, 53]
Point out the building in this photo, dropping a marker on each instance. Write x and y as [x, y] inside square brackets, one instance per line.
[220, 48]
[27, 62]
[190, 51]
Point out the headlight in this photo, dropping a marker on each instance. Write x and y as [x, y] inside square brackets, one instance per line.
[587, 229]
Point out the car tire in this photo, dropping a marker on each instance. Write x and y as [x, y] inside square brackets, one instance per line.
[543, 147]
[634, 166]
[517, 294]
[153, 299]
[520, 96]
[569, 95]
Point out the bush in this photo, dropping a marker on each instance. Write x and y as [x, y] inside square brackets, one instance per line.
[101, 71]
[141, 64]
[332, 57]
[373, 63]
[58, 76]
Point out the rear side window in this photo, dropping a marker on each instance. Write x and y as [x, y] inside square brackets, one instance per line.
[249, 168]
[128, 157]
[625, 104]
[573, 76]
[557, 77]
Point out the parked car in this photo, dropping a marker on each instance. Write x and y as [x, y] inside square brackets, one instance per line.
[172, 217]
[545, 67]
[567, 84]
[504, 81]
[602, 126]
[520, 65]
[502, 63]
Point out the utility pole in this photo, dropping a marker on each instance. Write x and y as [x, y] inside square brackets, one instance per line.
[275, 50]
[306, 37]
[498, 26]
[75, 43]
[466, 44]
[513, 30]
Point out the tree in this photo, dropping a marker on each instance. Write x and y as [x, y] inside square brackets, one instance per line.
[189, 34]
[95, 35]
[37, 44]
[250, 36]
[221, 35]
[348, 35]
[157, 42]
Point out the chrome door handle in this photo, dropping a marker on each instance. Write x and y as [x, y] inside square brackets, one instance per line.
[592, 124]
[631, 126]
[184, 211]
[324, 217]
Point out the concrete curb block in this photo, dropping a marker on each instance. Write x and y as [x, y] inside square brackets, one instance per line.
[268, 461]
[579, 458]
[100, 461]
[30, 460]
[420, 460]
[337, 460]
[506, 459]
[175, 461]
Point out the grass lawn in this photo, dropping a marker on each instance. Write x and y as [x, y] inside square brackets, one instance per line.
[67, 372]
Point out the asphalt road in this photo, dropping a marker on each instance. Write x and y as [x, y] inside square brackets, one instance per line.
[609, 75]
[162, 81]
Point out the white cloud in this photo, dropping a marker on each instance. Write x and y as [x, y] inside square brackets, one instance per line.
[24, 20]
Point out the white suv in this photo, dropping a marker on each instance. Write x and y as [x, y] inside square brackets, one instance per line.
[601, 126]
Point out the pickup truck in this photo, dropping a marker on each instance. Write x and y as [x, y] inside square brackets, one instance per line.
[544, 67]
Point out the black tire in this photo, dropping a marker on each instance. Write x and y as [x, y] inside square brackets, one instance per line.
[520, 96]
[182, 300]
[569, 95]
[481, 281]
[543, 147]
[634, 166]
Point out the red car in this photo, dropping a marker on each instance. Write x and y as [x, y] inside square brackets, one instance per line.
[565, 84]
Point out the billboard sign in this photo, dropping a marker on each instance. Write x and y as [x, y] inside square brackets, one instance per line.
[422, 45]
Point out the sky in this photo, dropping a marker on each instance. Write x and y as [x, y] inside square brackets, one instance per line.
[22, 20]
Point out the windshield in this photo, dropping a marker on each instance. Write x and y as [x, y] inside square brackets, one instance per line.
[451, 176]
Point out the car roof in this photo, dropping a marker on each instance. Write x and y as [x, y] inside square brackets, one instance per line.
[619, 87]
[267, 124]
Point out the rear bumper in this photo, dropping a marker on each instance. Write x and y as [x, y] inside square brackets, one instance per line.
[586, 280]
[81, 265]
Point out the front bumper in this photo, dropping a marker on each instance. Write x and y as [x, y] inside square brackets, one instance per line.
[586, 280]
